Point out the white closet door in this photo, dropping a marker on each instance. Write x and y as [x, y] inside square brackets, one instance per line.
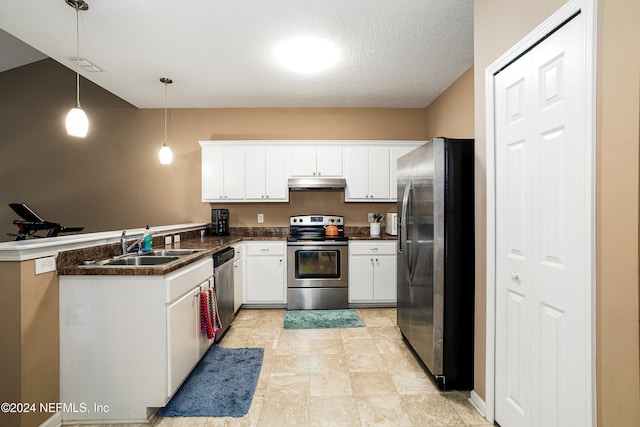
[542, 236]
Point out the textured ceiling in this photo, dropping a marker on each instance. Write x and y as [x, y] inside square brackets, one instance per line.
[393, 53]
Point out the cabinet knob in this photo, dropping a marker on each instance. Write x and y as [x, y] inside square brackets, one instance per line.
[515, 276]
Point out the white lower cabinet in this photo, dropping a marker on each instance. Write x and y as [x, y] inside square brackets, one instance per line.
[128, 342]
[182, 338]
[372, 272]
[265, 268]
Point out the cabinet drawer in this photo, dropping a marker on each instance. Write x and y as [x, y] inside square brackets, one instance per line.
[183, 280]
[372, 248]
[253, 249]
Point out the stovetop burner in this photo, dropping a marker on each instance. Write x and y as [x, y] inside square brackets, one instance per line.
[311, 228]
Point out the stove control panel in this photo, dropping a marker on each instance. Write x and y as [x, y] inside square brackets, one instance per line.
[315, 220]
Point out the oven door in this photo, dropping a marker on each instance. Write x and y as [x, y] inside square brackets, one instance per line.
[317, 264]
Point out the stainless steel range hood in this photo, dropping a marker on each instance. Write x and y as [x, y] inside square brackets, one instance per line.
[317, 183]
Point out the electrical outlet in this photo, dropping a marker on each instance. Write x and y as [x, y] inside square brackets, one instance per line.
[260, 218]
[45, 265]
[167, 240]
[176, 238]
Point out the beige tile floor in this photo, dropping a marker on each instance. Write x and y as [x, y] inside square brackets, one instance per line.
[337, 377]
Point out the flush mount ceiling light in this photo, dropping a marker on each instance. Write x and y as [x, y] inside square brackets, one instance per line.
[77, 121]
[307, 54]
[166, 155]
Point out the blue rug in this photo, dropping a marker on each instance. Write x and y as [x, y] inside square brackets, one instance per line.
[221, 385]
[317, 319]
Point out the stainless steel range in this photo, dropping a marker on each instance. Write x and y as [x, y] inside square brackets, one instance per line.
[317, 263]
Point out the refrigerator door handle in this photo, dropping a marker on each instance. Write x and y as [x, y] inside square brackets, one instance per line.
[402, 226]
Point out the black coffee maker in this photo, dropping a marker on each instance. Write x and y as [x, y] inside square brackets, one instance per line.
[219, 222]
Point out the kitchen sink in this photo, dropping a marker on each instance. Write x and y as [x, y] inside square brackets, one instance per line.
[140, 260]
[170, 252]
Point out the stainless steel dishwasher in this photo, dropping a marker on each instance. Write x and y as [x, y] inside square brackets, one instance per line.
[223, 284]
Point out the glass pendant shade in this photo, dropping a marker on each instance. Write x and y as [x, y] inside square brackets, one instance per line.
[165, 155]
[77, 122]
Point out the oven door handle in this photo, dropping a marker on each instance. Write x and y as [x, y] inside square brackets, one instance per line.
[318, 243]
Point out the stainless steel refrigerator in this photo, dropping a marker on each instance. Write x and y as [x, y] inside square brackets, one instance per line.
[436, 258]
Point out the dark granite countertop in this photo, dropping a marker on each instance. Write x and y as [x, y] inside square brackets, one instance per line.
[71, 262]
[363, 233]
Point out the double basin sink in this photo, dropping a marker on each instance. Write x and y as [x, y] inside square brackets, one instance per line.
[151, 258]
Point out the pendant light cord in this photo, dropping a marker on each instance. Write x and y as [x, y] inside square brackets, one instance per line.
[165, 112]
[77, 57]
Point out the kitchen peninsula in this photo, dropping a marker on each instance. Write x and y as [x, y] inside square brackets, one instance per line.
[30, 307]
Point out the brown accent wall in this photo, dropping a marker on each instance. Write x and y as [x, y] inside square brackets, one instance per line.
[498, 25]
[112, 179]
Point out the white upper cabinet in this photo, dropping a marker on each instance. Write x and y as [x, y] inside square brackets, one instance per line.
[316, 161]
[251, 171]
[395, 152]
[223, 173]
[266, 174]
[367, 173]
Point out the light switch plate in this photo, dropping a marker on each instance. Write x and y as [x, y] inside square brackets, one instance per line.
[45, 265]
[260, 218]
[176, 238]
[167, 240]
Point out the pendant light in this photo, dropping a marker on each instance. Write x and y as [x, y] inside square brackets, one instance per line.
[166, 155]
[77, 121]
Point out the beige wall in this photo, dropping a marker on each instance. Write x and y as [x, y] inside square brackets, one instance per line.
[499, 24]
[451, 114]
[30, 356]
[10, 355]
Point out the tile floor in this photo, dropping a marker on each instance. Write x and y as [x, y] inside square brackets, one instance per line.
[337, 377]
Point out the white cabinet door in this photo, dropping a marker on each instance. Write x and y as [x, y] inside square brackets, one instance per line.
[329, 161]
[275, 177]
[212, 173]
[265, 280]
[316, 161]
[361, 278]
[234, 175]
[256, 164]
[367, 173]
[303, 161]
[357, 173]
[182, 338]
[378, 173]
[384, 282]
[222, 173]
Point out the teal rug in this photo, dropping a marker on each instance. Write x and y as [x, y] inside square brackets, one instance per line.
[221, 385]
[318, 319]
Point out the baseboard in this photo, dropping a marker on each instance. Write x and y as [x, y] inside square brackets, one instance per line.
[478, 403]
[53, 421]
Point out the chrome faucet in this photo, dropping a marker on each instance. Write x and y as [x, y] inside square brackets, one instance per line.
[123, 242]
